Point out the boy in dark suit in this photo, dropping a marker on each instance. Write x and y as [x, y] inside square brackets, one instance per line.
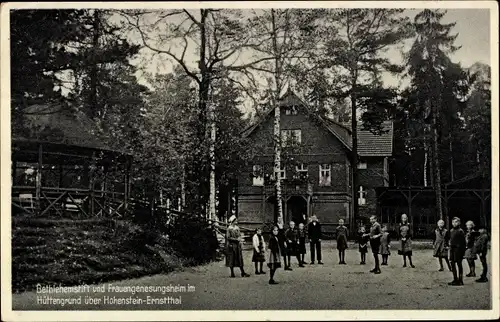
[314, 230]
[457, 251]
[375, 234]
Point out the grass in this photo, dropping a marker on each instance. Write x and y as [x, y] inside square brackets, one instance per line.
[71, 252]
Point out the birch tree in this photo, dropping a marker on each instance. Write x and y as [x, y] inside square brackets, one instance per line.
[281, 38]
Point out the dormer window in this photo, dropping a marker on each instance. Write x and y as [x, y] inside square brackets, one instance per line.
[291, 137]
[291, 110]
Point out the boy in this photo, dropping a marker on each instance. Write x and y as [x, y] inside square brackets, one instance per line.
[375, 234]
[314, 232]
[481, 246]
[457, 251]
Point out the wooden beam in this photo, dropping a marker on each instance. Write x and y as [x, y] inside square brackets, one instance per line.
[78, 205]
[39, 179]
[53, 203]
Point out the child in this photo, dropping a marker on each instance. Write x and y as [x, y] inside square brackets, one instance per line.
[259, 251]
[341, 241]
[291, 239]
[481, 247]
[284, 248]
[385, 245]
[375, 234]
[405, 237]
[363, 244]
[441, 245]
[470, 253]
[274, 254]
[301, 244]
[457, 250]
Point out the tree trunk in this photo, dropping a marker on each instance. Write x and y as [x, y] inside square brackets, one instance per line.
[212, 210]
[277, 114]
[354, 159]
[183, 186]
[93, 71]
[426, 161]
[435, 157]
[452, 175]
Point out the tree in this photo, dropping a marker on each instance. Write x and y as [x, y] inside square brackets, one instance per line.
[427, 60]
[354, 54]
[283, 36]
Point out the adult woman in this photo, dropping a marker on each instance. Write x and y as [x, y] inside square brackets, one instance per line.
[234, 256]
[405, 240]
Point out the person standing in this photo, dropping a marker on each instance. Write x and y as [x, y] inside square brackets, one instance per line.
[363, 239]
[470, 251]
[314, 232]
[274, 261]
[291, 235]
[385, 245]
[405, 239]
[375, 234]
[481, 246]
[341, 233]
[457, 251]
[234, 256]
[441, 245]
[301, 244]
[259, 251]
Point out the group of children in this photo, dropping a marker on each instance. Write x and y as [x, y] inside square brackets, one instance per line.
[451, 246]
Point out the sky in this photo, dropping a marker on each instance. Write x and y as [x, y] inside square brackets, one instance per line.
[472, 27]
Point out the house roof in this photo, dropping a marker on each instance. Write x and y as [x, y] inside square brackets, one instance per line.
[61, 125]
[369, 144]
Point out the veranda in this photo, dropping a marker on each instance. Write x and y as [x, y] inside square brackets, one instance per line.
[61, 180]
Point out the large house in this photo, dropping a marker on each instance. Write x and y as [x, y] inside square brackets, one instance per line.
[316, 171]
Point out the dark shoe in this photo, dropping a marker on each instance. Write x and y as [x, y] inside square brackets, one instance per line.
[482, 280]
[320, 263]
[312, 263]
[373, 270]
[257, 273]
[404, 265]
[363, 263]
[288, 269]
[232, 275]
[454, 283]
[245, 275]
[441, 269]
[304, 263]
[272, 282]
[301, 265]
[262, 272]
[377, 272]
[471, 275]
[412, 266]
[344, 263]
[460, 282]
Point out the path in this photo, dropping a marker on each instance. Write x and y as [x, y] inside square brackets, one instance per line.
[328, 287]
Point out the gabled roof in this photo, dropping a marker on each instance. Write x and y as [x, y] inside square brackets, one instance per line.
[369, 144]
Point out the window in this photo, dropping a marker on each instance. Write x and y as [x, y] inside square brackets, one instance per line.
[290, 137]
[282, 172]
[301, 168]
[291, 110]
[325, 175]
[362, 165]
[362, 196]
[258, 177]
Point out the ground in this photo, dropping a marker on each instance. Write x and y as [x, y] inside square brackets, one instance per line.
[326, 287]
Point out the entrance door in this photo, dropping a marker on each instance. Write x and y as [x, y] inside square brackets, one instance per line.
[296, 208]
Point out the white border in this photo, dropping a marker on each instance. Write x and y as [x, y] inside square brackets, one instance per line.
[5, 177]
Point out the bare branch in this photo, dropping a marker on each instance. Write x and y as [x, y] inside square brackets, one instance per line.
[193, 19]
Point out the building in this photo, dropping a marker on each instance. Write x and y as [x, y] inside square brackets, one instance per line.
[316, 171]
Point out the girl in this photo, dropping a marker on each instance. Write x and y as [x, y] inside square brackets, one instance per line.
[470, 252]
[405, 237]
[457, 250]
[301, 244]
[385, 245]
[291, 239]
[481, 247]
[234, 257]
[341, 241]
[363, 244]
[259, 251]
[441, 245]
[283, 248]
[274, 254]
